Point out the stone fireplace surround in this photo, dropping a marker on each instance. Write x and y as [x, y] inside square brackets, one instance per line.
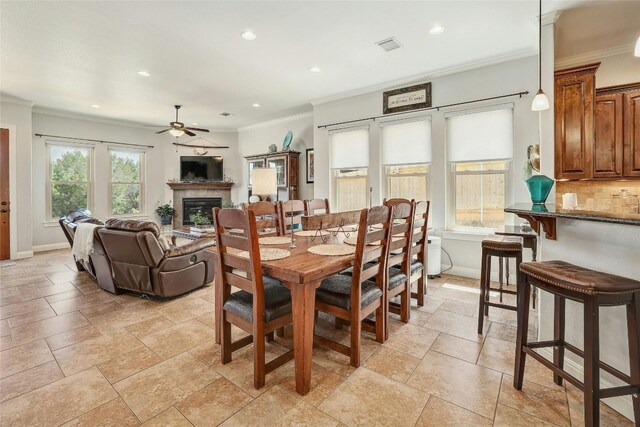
[196, 190]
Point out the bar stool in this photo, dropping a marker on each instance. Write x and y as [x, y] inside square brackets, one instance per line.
[593, 289]
[529, 241]
[501, 247]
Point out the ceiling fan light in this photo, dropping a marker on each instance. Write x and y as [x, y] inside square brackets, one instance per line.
[176, 132]
[637, 50]
[540, 102]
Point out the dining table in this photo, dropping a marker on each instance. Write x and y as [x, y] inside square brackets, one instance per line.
[301, 273]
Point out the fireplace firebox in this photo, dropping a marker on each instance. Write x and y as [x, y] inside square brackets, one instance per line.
[204, 205]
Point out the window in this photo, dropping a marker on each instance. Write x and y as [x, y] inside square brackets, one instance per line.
[480, 149]
[406, 154]
[69, 177]
[349, 162]
[127, 182]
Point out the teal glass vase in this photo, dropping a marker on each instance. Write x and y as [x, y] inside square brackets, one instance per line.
[539, 188]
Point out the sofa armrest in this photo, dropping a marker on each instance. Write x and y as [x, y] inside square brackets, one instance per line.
[190, 248]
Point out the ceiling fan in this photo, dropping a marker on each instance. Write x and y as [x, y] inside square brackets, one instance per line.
[178, 129]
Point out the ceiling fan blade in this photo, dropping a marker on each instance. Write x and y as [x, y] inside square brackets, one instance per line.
[188, 132]
[198, 129]
[163, 131]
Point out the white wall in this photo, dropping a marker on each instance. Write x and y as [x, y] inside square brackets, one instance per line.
[499, 79]
[256, 139]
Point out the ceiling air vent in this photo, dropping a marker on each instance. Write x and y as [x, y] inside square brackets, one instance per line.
[225, 114]
[389, 44]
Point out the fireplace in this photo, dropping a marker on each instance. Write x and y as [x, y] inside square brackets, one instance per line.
[203, 205]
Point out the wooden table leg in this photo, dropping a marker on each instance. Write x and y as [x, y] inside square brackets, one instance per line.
[217, 313]
[303, 300]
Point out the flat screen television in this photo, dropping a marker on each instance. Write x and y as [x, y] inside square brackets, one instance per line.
[201, 168]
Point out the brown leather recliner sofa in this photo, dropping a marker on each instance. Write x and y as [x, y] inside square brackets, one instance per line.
[98, 264]
[140, 264]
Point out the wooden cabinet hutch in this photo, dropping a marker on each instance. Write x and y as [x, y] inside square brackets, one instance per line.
[287, 165]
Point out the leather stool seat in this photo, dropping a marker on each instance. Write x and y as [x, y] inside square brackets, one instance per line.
[503, 243]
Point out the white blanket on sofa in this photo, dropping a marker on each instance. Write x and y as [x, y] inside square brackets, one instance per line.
[83, 241]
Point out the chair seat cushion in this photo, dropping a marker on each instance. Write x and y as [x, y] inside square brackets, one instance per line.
[277, 301]
[416, 266]
[396, 277]
[336, 290]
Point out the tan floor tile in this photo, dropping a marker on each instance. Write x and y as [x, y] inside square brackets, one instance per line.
[509, 417]
[155, 389]
[367, 398]
[608, 417]
[150, 327]
[66, 276]
[80, 356]
[392, 363]
[23, 357]
[419, 317]
[100, 309]
[545, 403]
[459, 307]
[333, 361]
[208, 353]
[457, 347]
[44, 291]
[48, 327]
[73, 336]
[122, 318]
[440, 413]
[64, 295]
[12, 310]
[74, 304]
[467, 385]
[456, 324]
[23, 319]
[171, 417]
[128, 364]
[114, 413]
[4, 328]
[208, 319]
[6, 342]
[58, 402]
[214, 403]
[502, 332]
[178, 338]
[9, 299]
[186, 309]
[24, 279]
[412, 339]
[278, 407]
[323, 383]
[87, 288]
[25, 381]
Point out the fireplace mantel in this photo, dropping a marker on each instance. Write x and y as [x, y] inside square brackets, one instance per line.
[200, 185]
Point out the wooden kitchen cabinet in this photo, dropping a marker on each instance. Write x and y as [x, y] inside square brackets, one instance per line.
[574, 122]
[631, 130]
[607, 153]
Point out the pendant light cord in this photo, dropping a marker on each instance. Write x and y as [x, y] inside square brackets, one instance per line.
[540, 47]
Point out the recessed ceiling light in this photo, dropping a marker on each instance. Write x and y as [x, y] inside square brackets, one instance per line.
[195, 124]
[436, 29]
[144, 73]
[248, 35]
[315, 69]
[95, 106]
[256, 105]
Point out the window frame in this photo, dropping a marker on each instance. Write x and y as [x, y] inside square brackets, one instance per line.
[333, 196]
[142, 182]
[334, 187]
[49, 218]
[427, 177]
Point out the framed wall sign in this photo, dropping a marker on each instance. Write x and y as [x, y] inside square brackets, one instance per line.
[407, 98]
[310, 166]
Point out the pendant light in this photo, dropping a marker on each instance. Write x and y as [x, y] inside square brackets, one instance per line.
[540, 102]
[637, 49]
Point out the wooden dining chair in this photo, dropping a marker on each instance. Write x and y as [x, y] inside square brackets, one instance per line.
[267, 217]
[311, 207]
[352, 298]
[419, 251]
[262, 304]
[290, 215]
[400, 257]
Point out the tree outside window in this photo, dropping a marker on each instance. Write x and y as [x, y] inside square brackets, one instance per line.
[126, 182]
[69, 178]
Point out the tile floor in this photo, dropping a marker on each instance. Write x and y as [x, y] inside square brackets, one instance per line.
[75, 355]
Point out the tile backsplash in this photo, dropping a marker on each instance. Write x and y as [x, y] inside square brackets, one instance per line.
[597, 195]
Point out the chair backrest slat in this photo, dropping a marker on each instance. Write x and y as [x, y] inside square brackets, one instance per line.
[402, 231]
[290, 213]
[420, 231]
[233, 279]
[234, 242]
[311, 207]
[268, 221]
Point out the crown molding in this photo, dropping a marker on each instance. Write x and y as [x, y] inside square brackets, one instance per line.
[15, 100]
[551, 17]
[468, 66]
[595, 55]
[275, 122]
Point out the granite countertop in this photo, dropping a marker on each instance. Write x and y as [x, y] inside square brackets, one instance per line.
[551, 210]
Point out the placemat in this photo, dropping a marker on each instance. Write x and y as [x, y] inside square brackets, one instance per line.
[268, 254]
[311, 233]
[332, 250]
[274, 240]
[354, 241]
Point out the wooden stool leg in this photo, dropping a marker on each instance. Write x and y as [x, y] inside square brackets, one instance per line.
[633, 326]
[483, 276]
[487, 288]
[500, 273]
[591, 362]
[558, 334]
[524, 292]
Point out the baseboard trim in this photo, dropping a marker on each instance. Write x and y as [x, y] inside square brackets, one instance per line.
[474, 273]
[23, 255]
[621, 404]
[51, 247]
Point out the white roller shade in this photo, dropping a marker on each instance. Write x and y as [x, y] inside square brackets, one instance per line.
[406, 143]
[483, 136]
[350, 149]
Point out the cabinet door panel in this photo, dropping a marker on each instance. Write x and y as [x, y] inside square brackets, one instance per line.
[607, 156]
[631, 157]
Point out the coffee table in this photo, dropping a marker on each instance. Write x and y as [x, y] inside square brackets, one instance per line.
[185, 233]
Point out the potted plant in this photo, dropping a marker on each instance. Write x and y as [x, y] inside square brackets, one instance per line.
[200, 220]
[165, 212]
